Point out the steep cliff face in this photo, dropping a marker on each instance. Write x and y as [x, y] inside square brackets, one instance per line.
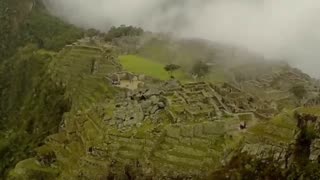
[32, 104]
[12, 15]
[27, 21]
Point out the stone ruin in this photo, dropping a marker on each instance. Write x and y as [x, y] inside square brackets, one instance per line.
[275, 87]
[126, 80]
[280, 80]
[137, 106]
[205, 100]
[190, 125]
[183, 103]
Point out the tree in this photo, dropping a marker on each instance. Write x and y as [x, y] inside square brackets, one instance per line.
[200, 69]
[122, 31]
[299, 91]
[170, 68]
[92, 32]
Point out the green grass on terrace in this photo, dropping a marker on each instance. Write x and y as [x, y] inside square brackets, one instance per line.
[310, 110]
[149, 67]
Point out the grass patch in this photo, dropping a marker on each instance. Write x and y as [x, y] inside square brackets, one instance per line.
[148, 67]
[309, 110]
[280, 129]
[36, 170]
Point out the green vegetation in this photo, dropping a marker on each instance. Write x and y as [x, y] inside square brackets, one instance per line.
[32, 26]
[170, 68]
[73, 67]
[299, 91]
[35, 171]
[200, 69]
[31, 102]
[184, 54]
[140, 65]
[40, 87]
[279, 129]
[44, 89]
[48, 32]
[310, 110]
[32, 105]
[117, 32]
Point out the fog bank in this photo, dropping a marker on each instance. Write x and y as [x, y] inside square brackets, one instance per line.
[281, 29]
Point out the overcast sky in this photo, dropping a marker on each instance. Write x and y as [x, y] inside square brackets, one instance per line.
[288, 29]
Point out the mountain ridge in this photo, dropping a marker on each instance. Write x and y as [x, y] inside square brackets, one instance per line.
[73, 106]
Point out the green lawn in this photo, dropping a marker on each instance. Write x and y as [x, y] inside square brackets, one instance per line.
[140, 65]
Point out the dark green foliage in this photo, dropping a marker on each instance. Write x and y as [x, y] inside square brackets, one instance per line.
[200, 68]
[37, 175]
[312, 171]
[171, 68]
[32, 105]
[17, 78]
[245, 167]
[296, 165]
[299, 91]
[48, 32]
[20, 25]
[6, 27]
[117, 32]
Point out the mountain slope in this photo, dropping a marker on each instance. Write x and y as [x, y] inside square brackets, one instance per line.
[70, 108]
[32, 104]
[27, 21]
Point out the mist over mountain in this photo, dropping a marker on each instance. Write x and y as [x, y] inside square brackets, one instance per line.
[195, 101]
[279, 29]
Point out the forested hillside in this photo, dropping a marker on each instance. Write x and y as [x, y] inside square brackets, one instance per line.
[27, 21]
[29, 37]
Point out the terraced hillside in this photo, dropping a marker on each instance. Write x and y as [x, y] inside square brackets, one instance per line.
[82, 70]
[88, 110]
[163, 129]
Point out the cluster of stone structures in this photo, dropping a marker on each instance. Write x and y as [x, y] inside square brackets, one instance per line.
[190, 125]
[171, 150]
[280, 80]
[207, 101]
[276, 87]
[184, 103]
[166, 130]
[136, 107]
[126, 80]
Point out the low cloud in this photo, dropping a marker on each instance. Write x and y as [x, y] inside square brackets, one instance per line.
[279, 29]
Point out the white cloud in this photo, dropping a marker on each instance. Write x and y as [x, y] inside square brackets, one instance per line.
[287, 29]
